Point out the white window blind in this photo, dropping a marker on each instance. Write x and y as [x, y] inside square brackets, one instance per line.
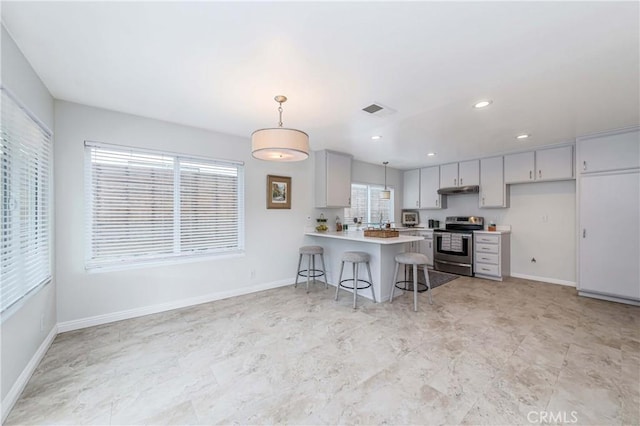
[144, 206]
[367, 205]
[25, 251]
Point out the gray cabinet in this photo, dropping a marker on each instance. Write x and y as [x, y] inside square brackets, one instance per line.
[618, 151]
[492, 186]
[460, 174]
[609, 216]
[429, 185]
[411, 189]
[332, 179]
[491, 257]
[541, 165]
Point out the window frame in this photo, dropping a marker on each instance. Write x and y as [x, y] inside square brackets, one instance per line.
[44, 169]
[369, 187]
[177, 255]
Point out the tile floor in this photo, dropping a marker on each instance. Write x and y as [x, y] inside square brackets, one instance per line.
[485, 352]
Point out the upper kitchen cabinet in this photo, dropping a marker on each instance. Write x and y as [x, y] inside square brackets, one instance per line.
[429, 185]
[411, 189]
[460, 174]
[493, 192]
[614, 151]
[537, 166]
[333, 179]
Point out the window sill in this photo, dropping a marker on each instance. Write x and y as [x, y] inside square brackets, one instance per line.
[164, 262]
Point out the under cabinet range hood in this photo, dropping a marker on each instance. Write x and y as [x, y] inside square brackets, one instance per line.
[469, 189]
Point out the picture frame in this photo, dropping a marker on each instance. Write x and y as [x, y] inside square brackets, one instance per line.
[278, 192]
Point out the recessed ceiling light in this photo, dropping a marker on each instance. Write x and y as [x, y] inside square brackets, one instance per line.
[431, 154]
[376, 137]
[523, 136]
[482, 104]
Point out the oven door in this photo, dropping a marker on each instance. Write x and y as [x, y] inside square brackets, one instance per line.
[453, 252]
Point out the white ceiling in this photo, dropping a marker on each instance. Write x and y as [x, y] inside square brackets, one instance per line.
[556, 70]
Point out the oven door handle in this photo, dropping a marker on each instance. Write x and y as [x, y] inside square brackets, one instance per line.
[464, 236]
[452, 263]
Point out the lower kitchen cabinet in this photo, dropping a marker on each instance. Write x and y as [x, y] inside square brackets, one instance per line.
[492, 255]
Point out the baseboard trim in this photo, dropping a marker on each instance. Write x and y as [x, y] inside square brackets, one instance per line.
[544, 279]
[14, 393]
[609, 298]
[154, 309]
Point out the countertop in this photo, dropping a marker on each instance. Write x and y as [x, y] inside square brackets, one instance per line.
[359, 236]
[493, 232]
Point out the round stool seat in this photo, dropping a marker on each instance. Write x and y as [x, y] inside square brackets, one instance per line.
[311, 250]
[412, 258]
[355, 256]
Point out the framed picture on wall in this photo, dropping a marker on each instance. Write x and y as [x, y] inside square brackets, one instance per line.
[278, 192]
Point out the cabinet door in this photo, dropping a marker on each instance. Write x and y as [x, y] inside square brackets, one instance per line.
[469, 173]
[519, 167]
[609, 240]
[338, 180]
[426, 248]
[449, 175]
[411, 189]
[429, 185]
[554, 163]
[492, 187]
[611, 152]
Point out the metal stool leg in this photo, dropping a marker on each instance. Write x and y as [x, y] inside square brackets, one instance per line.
[313, 262]
[426, 277]
[324, 272]
[393, 283]
[339, 280]
[415, 288]
[298, 273]
[309, 256]
[355, 283]
[371, 281]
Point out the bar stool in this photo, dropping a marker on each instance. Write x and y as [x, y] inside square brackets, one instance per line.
[311, 271]
[414, 259]
[355, 257]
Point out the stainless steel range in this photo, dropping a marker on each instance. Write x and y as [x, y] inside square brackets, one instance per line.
[453, 246]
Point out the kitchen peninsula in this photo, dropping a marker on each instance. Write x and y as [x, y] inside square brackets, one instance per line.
[381, 250]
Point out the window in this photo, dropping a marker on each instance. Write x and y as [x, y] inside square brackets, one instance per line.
[25, 162]
[366, 204]
[144, 206]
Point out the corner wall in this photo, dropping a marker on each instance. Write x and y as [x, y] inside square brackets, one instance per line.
[272, 237]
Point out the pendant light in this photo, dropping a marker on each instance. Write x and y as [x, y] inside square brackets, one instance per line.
[280, 143]
[386, 194]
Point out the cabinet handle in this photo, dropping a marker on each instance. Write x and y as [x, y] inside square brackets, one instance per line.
[349, 201]
[483, 201]
[584, 233]
[584, 165]
[460, 181]
[417, 203]
[540, 174]
[455, 182]
[530, 175]
[485, 269]
[436, 203]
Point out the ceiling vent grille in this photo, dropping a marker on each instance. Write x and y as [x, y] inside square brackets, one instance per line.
[372, 109]
[377, 109]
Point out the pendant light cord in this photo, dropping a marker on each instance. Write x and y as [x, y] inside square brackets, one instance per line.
[280, 112]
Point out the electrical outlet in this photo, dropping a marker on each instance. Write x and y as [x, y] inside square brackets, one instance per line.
[545, 218]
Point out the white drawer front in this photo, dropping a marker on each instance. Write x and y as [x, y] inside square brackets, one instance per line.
[487, 258]
[486, 248]
[484, 269]
[484, 238]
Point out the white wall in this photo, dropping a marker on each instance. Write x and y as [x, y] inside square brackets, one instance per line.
[22, 333]
[272, 236]
[552, 241]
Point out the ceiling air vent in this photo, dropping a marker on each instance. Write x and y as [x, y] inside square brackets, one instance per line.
[372, 109]
[378, 110]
